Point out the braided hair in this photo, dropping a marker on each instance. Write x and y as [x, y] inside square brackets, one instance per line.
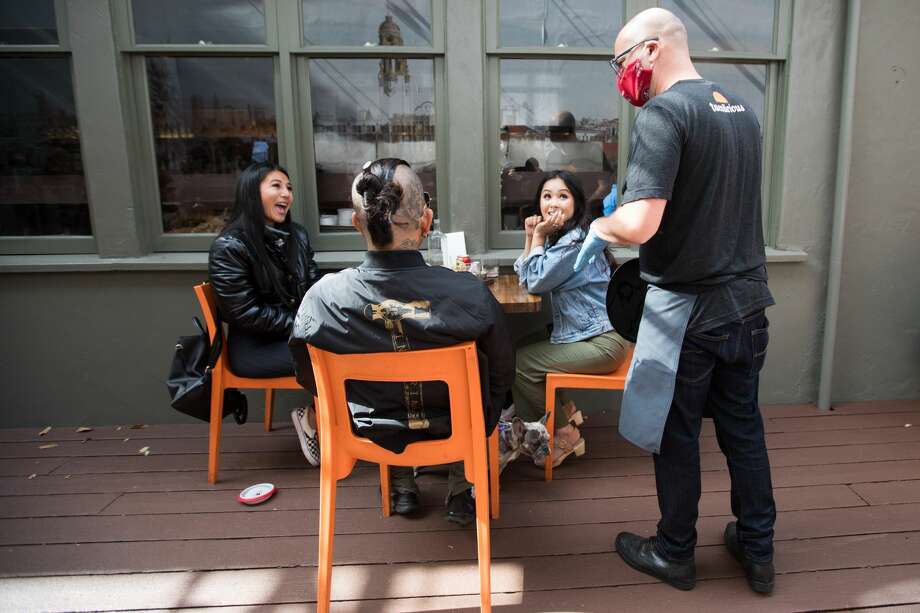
[381, 197]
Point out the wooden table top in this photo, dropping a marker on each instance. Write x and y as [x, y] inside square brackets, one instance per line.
[512, 297]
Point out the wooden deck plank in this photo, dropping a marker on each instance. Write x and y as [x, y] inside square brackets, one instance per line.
[532, 577]
[122, 447]
[55, 505]
[31, 466]
[892, 492]
[447, 545]
[134, 524]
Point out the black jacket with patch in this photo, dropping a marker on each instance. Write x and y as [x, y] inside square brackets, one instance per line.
[393, 301]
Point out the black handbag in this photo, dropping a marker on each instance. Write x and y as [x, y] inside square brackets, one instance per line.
[189, 381]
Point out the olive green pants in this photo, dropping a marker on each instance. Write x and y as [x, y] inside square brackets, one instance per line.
[598, 355]
[402, 479]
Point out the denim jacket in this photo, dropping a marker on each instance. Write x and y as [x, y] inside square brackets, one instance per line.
[579, 300]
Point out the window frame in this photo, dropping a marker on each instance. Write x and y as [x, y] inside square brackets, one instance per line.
[52, 244]
[773, 119]
[293, 112]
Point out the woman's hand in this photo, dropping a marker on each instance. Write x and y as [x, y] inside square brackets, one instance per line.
[530, 223]
[551, 224]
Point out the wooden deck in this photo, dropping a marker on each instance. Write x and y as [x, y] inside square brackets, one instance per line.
[101, 526]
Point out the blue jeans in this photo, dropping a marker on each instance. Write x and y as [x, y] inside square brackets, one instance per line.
[717, 376]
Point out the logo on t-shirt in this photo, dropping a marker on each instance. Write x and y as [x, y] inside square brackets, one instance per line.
[724, 106]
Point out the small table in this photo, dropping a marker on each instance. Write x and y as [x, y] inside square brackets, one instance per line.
[512, 297]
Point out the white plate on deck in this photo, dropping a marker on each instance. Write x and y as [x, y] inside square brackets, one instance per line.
[254, 494]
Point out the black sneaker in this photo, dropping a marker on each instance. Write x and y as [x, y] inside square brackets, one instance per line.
[761, 576]
[641, 554]
[404, 503]
[461, 508]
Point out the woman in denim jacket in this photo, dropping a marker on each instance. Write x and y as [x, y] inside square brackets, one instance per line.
[582, 340]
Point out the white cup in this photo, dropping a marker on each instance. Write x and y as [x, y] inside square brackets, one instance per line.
[345, 217]
[327, 220]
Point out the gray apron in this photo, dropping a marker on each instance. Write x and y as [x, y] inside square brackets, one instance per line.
[650, 382]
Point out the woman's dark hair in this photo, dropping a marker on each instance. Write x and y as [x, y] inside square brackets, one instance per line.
[581, 217]
[381, 196]
[248, 216]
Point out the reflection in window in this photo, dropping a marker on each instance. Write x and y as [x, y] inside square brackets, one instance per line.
[556, 114]
[42, 191]
[746, 80]
[211, 22]
[726, 25]
[27, 23]
[365, 109]
[212, 117]
[367, 24]
[560, 23]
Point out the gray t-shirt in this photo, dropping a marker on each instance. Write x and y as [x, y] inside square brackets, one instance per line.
[697, 146]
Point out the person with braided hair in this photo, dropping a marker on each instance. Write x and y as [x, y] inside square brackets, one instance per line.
[393, 301]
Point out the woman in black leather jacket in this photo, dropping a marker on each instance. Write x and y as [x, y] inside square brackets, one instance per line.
[260, 266]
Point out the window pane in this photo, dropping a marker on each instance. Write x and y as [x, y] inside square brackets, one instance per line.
[746, 80]
[367, 109]
[27, 23]
[561, 23]
[42, 191]
[212, 117]
[726, 25]
[212, 22]
[556, 114]
[368, 24]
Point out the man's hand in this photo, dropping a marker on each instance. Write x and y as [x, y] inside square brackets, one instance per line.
[592, 246]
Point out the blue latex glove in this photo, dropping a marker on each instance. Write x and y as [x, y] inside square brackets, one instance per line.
[610, 201]
[592, 246]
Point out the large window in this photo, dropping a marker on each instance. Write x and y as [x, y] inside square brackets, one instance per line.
[359, 116]
[553, 101]
[320, 86]
[42, 188]
[212, 117]
[555, 115]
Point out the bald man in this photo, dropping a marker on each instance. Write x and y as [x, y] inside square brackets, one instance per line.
[692, 202]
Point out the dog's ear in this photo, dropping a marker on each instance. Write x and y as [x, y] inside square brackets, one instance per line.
[518, 428]
[544, 418]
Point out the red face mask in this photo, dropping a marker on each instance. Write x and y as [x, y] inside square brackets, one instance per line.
[634, 83]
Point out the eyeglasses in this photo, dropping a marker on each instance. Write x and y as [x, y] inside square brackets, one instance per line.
[616, 63]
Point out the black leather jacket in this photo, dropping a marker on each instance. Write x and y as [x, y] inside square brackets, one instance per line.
[243, 302]
[356, 311]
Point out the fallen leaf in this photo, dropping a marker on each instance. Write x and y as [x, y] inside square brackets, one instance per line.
[67, 476]
[45, 431]
[117, 428]
[84, 429]
[126, 440]
[907, 425]
[137, 426]
[32, 476]
[144, 450]
[48, 446]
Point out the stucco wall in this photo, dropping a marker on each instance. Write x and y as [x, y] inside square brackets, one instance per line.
[878, 338]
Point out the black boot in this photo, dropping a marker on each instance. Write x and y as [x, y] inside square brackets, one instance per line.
[642, 555]
[760, 575]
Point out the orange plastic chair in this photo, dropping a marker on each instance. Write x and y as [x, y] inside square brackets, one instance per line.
[340, 448]
[561, 380]
[222, 378]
